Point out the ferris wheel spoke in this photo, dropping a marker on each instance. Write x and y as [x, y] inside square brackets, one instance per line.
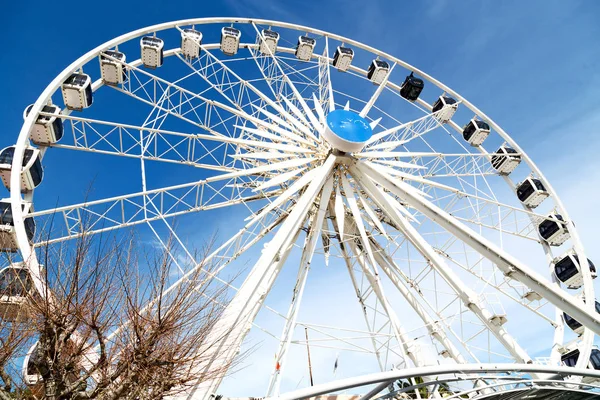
[272, 76]
[242, 310]
[367, 107]
[466, 295]
[149, 143]
[403, 133]
[506, 288]
[505, 218]
[504, 261]
[282, 127]
[219, 78]
[182, 103]
[223, 79]
[307, 254]
[451, 190]
[123, 211]
[435, 165]
[298, 97]
[294, 119]
[166, 146]
[326, 97]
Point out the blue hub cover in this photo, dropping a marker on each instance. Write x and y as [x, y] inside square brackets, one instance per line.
[347, 131]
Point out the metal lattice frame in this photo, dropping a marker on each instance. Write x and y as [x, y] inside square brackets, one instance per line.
[417, 215]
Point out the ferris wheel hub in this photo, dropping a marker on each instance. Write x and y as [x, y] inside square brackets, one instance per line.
[347, 131]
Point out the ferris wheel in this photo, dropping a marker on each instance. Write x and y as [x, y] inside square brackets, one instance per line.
[423, 238]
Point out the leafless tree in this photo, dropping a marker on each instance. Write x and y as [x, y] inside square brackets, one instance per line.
[110, 326]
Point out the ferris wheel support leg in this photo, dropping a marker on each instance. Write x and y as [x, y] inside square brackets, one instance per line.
[467, 296]
[226, 337]
[509, 265]
[307, 255]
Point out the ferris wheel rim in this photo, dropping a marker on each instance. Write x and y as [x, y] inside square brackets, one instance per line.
[15, 194]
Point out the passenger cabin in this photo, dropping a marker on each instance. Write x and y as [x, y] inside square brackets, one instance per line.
[531, 192]
[33, 366]
[475, 132]
[230, 40]
[152, 51]
[305, 48]
[32, 172]
[553, 230]
[505, 160]
[568, 270]
[112, 68]
[77, 92]
[8, 237]
[268, 45]
[342, 59]
[47, 129]
[574, 324]
[377, 72]
[411, 87]
[569, 359]
[15, 286]
[445, 107]
[191, 40]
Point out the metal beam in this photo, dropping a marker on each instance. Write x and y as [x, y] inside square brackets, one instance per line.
[508, 264]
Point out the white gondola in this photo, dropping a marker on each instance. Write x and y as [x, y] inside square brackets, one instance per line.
[553, 230]
[475, 132]
[32, 172]
[191, 40]
[378, 70]
[32, 365]
[505, 160]
[412, 87]
[112, 68]
[568, 271]
[269, 44]
[8, 237]
[47, 129]
[569, 359]
[15, 287]
[445, 107]
[77, 92]
[305, 48]
[575, 326]
[342, 59]
[152, 51]
[230, 40]
[531, 192]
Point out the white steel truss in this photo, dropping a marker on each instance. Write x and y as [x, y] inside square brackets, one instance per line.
[417, 203]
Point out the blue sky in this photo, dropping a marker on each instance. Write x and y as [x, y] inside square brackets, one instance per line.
[534, 66]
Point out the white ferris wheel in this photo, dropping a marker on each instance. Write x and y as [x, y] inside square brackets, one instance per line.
[350, 175]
